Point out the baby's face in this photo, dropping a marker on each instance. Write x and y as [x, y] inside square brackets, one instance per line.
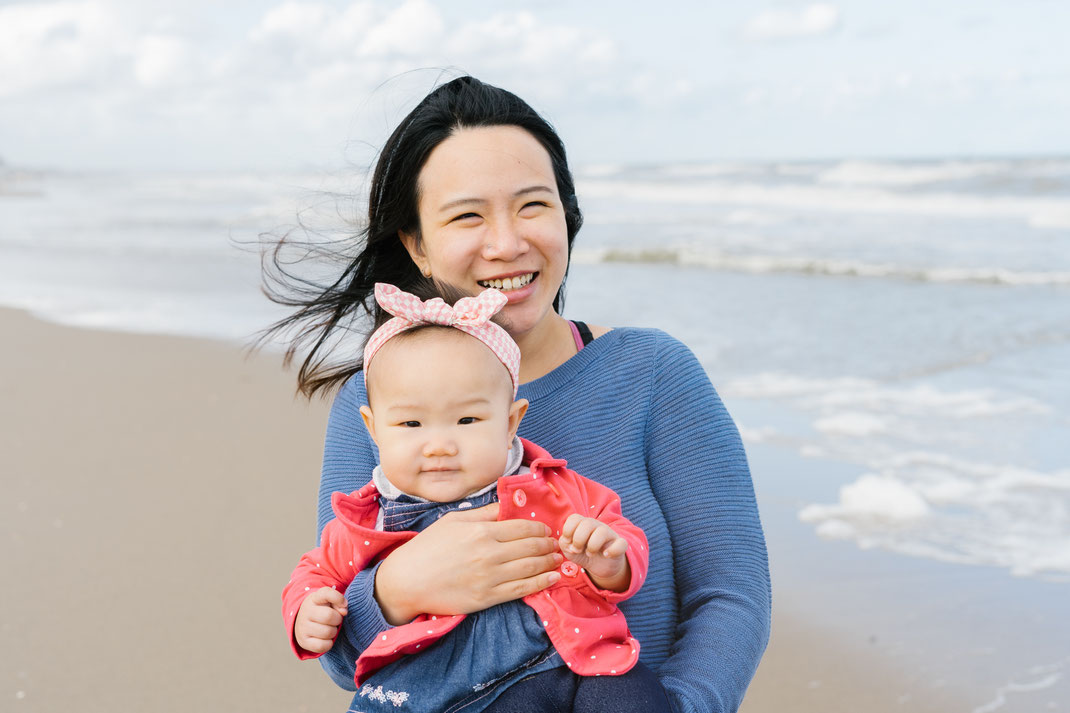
[442, 413]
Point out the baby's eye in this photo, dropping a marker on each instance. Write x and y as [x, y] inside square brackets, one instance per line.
[467, 420]
[411, 424]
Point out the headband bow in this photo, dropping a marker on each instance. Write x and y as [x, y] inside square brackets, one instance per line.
[471, 315]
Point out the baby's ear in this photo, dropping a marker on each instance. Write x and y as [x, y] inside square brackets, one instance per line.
[369, 421]
[516, 414]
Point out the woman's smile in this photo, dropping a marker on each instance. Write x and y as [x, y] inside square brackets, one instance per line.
[508, 284]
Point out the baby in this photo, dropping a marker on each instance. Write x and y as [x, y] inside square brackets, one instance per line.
[442, 383]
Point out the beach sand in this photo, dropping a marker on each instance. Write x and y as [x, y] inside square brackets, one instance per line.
[156, 493]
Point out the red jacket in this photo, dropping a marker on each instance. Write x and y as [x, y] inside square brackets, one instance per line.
[582, 621]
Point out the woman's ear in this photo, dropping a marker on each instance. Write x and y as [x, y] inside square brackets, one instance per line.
[416, 251]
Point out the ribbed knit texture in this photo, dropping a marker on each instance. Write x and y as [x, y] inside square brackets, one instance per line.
[634, 410]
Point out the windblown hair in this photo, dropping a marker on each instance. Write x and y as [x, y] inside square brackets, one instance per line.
[323, 311]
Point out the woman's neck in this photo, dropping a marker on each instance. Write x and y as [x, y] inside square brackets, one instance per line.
[546, 347]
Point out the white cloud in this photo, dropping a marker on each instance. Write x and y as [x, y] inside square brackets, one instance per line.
[160, 60]
[818, 19]
[49, 44]
[411, 29]
[304, 70]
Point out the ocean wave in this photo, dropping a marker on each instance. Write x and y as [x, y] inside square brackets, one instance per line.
[1045, 213]
[875, 173]
[848, 405]
[950, 509]
[930, 482]
[1036, 678]
[766, 264]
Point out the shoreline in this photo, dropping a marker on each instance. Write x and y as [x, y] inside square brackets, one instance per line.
[159, 489]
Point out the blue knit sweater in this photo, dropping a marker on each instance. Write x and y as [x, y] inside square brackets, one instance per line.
[634, 410]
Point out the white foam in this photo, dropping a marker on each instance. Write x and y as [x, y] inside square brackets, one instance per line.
[838, 398]
[936, 506]
[918, 494]
[1034, 211]
[757, 264]
[905, 174]
[1043, 678]
[756, 435]
[872, 496]
[851, 424]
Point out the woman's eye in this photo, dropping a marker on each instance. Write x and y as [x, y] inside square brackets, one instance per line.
[465, 216]
[534, 204]
[467, 420]
[411, 424]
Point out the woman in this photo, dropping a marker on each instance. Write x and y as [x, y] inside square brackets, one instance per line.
[473, 189]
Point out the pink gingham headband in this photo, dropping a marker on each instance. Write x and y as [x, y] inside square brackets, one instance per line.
[471, 315]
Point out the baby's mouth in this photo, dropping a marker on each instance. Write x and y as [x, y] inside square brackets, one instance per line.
[509, 283]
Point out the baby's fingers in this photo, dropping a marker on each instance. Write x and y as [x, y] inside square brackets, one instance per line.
[582, 534]
[314, 631]
[325, 615]
[602, 536]
[615, 548]
[569, 527]
[328, 596]
[317, 646]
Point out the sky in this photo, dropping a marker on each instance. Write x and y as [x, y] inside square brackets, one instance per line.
[203, 85]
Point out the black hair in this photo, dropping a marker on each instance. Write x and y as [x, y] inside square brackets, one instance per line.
[393, 206]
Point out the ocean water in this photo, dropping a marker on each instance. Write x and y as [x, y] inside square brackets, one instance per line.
[893, 338]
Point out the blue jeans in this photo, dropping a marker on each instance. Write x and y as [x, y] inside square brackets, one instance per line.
[561, 691]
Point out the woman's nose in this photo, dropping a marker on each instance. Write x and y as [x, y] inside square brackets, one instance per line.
[505, 241]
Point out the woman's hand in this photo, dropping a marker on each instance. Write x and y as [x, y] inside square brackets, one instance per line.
[466, 562]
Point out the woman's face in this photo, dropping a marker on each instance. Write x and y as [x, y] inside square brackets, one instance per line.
[491, 216]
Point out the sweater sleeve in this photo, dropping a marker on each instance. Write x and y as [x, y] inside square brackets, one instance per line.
[349, 456]
[699, 475]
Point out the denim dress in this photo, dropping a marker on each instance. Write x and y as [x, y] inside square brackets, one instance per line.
[470, 666]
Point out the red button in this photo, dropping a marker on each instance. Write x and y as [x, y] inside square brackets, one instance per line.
[570, 569]
[519, 497]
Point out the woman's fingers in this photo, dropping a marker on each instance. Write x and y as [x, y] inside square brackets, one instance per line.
[509, 530]
[510, 550]
[527, 567]
[517, 588]
[465, 562]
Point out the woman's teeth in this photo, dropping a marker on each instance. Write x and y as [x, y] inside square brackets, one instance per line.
[509, 283]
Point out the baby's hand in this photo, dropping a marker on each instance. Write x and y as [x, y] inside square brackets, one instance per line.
[318, 620]
[594, 545]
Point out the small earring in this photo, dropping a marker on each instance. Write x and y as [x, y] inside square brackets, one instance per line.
[426, 272]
